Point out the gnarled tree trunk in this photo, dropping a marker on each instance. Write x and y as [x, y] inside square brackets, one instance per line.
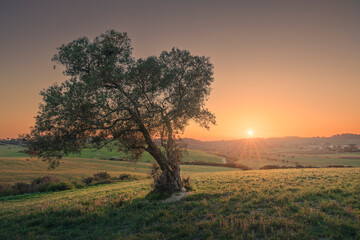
[167, 178]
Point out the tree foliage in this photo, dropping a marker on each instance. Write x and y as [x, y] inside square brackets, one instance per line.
[112, 97]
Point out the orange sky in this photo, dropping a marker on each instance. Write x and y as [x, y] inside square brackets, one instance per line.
[282, 68]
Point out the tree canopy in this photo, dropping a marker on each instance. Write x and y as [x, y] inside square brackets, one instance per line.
[112, 97]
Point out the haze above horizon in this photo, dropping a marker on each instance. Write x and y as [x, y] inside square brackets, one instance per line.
[282, 68]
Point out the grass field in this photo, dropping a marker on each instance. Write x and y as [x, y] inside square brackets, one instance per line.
[273, 204]
[104, 153]
[256, 163]
[316, 160]
[22, 169]
[322, 160]
[12, 151]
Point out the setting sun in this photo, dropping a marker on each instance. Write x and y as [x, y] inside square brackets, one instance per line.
[223, 119]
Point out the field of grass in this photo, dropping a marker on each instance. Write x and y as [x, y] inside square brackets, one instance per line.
[317, 160]
[104, 153]
[322, 160]
[12, 151]
[256, 163]
[273, 204]
[24, 169]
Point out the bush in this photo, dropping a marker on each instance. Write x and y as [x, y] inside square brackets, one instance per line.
[339, 166]
[43, 184]
[101, 176]
[228, 164]
[42, 187]
[7, 191]
[271, 167]
[52, 187]
[87, 180]
[124, 176]
[44, 179]
[78, 185]
[186, 183]
[20, 188]
[284, 167]
[101, 182]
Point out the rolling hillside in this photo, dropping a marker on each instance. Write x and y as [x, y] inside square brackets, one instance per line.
[24, 170]
[274, 204]
[10, 150]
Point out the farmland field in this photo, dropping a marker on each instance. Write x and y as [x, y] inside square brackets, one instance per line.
[291, 159]
[321, 160]
[16, 166]
[24, 169]
[273, 204]
[104, 153]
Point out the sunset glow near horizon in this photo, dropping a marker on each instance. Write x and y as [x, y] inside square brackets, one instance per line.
[284, 68]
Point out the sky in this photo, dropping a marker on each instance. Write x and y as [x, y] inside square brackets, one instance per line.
[281, 68]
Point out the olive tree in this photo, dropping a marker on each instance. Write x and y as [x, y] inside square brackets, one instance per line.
[140, 105]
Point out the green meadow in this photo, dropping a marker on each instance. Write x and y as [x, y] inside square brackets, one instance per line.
[12, 151]
[224, 203]
[322, 160]
[272, 204]
[74, 169]
[16, 166]
[316, 160]
[106, 153]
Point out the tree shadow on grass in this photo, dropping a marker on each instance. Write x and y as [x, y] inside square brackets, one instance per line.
[199, 216]
[138, 218]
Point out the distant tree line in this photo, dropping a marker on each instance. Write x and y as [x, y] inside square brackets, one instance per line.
[12, 141]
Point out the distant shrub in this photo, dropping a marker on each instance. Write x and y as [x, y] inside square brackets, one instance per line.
[284, 167]
[186, 183]
[41, 184]
[117, 158]
[78, 185]
[270, 167]
[7, 191]
[42, 187]
[52, 187]
[237, 165]
[45, 179]
[60, 186]
[229, 164]
[101, 176]
[124, 176]
[335, 166]
[87, 180]
[20, 188]
[47, 183]
[339, 166]
[101, 182]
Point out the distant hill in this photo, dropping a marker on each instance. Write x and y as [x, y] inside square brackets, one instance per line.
[339, 139]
